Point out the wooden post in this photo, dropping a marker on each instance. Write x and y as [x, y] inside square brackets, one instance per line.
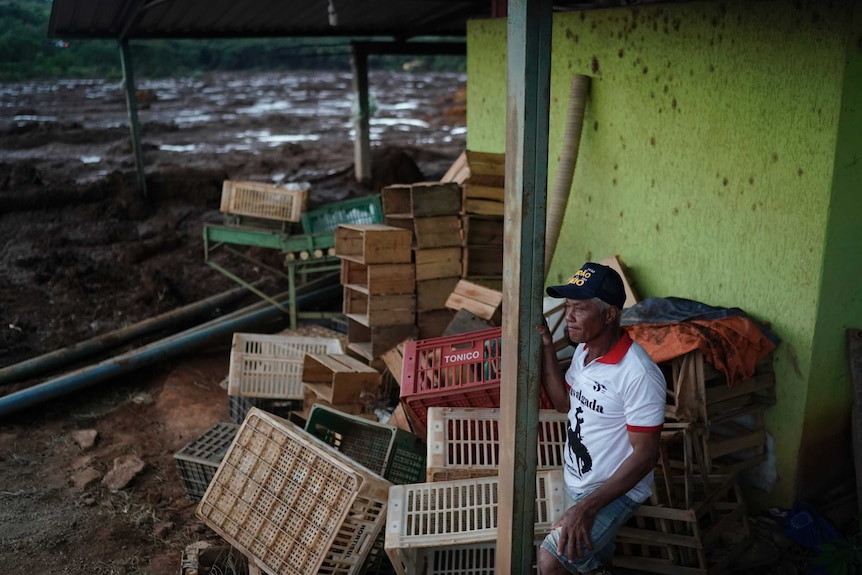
[132, 109]
[527, 102]
[361, 143]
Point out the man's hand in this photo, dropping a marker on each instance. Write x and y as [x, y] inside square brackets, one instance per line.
[545, 332]
[576, 525]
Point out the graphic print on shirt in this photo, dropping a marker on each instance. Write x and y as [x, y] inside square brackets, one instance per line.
[581, 459]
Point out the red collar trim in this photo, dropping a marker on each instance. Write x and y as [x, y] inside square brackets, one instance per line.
[616, 354]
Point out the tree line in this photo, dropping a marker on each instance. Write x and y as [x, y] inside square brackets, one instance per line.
[26, 52]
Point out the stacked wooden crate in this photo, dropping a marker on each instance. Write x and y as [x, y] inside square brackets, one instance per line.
[379, 287]
[482, 179]
[430, 211]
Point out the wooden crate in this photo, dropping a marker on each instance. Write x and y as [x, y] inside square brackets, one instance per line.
[422, 199]
[265, 201]
[478, 168]
[437, 263]
[394, 358]
[434, 322]
[481, 262]
[372, 310]
[423, 516]
[373, 243]
[378, 279]
[429, 232]
[338, 378]
[370, 342]
[480, 301]
[700, 540]
[464, 442]
[481, 230]
[293, 503]
[433, 294]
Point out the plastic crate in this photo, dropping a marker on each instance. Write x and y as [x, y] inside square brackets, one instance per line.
[393, 453]
[293, 503]
[197, 461]
[363, 210]
[465, 442]
[260, 200]
[460, 370]
[475, 559]
[238, 407]
[459, 512]
[453, 371]
[270, 366]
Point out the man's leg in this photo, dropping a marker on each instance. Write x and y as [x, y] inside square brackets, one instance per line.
[603, 533]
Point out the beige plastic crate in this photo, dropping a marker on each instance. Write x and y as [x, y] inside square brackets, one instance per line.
[475, 559]
[464, 442]
[460, 512]
[292, 503]
[260, 200]
[270, 366]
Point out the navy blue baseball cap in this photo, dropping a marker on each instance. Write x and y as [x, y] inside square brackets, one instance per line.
[593, 280]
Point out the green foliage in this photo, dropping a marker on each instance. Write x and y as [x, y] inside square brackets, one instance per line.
[27, 52]
[843, 555]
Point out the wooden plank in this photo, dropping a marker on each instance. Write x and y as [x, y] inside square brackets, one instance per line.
[458, 171]
[481, 301]
[483, 207]
[616, 263]
[756, 384]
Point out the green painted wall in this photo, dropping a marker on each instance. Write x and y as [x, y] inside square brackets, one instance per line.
[707, 162]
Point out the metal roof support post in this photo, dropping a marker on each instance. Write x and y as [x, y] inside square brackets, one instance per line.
[527, 102]
[132, 108]
[361, 143]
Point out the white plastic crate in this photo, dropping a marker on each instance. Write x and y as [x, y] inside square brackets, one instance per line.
[270, 366]
[464, 442]
[261, 200]
[293, 503]
[475, 559]
[458, 512]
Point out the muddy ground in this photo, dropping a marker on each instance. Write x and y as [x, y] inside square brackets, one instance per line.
[82, 253]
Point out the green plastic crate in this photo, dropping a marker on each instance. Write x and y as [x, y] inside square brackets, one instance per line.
[394, 454]
[363, 210]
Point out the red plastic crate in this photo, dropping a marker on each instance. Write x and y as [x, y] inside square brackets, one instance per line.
[460, 370]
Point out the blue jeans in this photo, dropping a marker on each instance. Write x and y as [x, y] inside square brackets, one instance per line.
[604, 531]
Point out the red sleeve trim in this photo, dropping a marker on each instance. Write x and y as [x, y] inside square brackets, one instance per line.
[643, 429]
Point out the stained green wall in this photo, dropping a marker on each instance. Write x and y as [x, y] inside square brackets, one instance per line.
[707, 162]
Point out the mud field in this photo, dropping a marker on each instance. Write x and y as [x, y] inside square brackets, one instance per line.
[83, 254]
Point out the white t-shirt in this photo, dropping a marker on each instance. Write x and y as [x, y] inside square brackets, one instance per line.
[622, 391]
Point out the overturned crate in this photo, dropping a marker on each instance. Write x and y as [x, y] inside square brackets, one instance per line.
[464, 442]
[198, 460]
[293, 503]
[270, 366]
[425, 516]
[264, 201]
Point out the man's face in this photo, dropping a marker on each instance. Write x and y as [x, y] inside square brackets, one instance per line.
[584, 321]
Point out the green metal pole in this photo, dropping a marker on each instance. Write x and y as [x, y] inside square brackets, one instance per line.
[527, 101]
[132, 108]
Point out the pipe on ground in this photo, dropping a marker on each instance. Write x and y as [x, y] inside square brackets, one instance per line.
[184, 342]
[48, 362]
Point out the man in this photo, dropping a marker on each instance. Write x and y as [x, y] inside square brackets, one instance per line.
[615, 397]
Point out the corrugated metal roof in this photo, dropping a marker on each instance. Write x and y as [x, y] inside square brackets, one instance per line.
[399, 19]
